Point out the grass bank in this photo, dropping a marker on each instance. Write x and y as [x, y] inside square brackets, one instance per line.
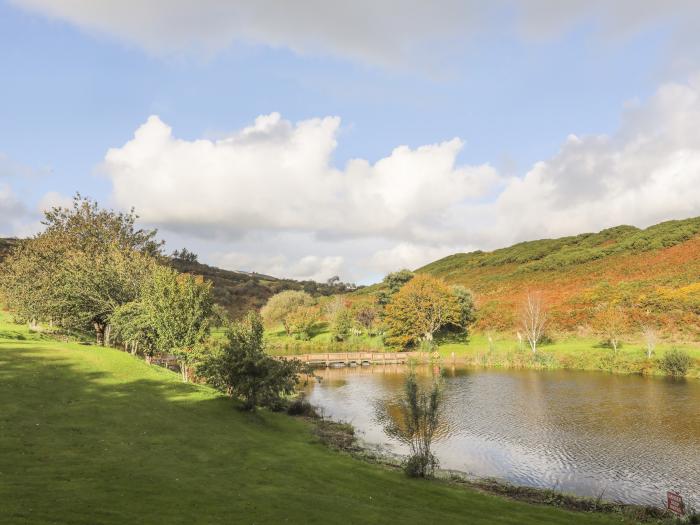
[93, 435]
[500, 350]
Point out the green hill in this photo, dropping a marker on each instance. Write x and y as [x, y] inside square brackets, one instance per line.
[92, 435]
[653, 271]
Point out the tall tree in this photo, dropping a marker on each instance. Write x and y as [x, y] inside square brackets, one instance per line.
[419, 309]
[179, 309]
[533, 319]
[86, 263]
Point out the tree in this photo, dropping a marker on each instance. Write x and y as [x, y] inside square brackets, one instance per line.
[341, 324]
[179, 308]
[185, 255]
[650, 339]
[419, 309]
[279, 306]
[365, 315]
[394, 281]
[90, 229]
[611, 322]
[300, 321]
[86, 263]
[239, 366]
[533, 319]
[421, 417]
[467, 310]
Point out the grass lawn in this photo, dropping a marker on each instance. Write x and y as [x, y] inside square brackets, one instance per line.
[92, 435]
[503, 350]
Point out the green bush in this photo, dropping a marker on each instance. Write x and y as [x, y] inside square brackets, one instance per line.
[675, 362]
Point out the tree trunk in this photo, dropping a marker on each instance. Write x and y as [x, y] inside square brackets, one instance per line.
[100, 333]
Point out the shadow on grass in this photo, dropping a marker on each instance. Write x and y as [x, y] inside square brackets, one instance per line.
[91, 435]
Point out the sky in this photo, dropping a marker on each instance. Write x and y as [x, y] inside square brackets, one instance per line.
[310, 139]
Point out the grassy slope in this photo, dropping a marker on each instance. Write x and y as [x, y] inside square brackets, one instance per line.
[656, 270]
[92, 435]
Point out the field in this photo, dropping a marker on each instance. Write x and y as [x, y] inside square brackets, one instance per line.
[93, 435]
[503, 350]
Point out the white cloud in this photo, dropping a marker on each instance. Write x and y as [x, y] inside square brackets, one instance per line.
[278, 176]
[646, 172]
[309, 267]
[410, 255]
[373, 31]
[272, 189]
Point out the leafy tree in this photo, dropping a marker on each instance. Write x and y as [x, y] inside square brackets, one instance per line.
[341, 324]
[419, 309]
[179, 308]
[87, 227]
[239, 366]
[132, 326]
[394, 281]
[185, 255]
[467, 310]
[300, 321]
[86, 263]
[279, 306]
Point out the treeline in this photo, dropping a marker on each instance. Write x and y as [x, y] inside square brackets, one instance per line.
[409, 311]
[93, 270]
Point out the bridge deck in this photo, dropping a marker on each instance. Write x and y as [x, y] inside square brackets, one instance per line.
[357, 358]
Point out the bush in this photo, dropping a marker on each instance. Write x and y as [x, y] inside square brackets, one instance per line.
[675, 362]
[301, 407]
[240, 366]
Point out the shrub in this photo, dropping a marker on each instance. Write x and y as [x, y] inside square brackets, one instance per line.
[301, 407]
[421, 410]
[240, 366]
[675, 362]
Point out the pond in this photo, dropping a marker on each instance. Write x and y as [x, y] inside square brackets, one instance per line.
[629, 438]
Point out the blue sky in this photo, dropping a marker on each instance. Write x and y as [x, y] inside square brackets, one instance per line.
[75, 86]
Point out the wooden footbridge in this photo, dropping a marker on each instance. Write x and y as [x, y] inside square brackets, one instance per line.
[355, 358]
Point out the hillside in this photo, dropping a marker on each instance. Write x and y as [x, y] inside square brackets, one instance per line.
[238, 292]
[653, 272]
[94, 435]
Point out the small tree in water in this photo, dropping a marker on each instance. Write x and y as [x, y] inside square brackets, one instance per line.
[421, 410]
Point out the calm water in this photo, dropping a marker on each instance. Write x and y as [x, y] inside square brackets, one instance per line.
[630, 437]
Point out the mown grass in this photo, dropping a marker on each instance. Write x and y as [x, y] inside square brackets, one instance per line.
[93, 435]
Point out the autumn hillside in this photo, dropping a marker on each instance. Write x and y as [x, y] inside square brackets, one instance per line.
[654, 274]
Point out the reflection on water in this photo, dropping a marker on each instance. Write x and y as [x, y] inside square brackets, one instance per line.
[631, 438]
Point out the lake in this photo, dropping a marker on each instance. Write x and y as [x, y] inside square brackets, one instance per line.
[630, 438]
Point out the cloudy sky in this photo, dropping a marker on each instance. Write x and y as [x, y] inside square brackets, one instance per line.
[310, 139]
